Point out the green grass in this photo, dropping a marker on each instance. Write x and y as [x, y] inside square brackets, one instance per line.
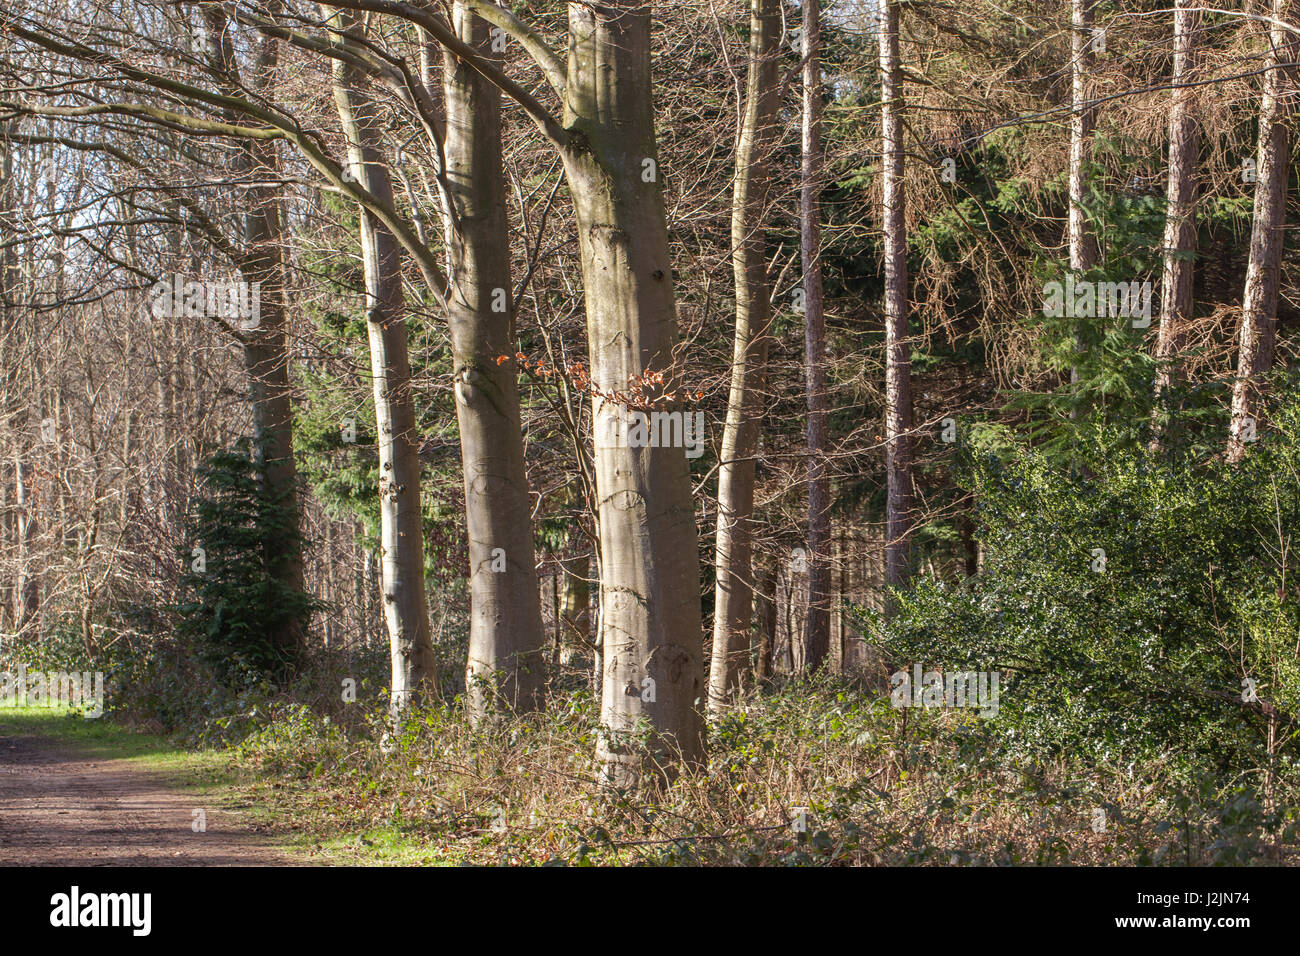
[380, 846]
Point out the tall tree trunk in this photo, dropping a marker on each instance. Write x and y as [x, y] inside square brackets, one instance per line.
[817, 623]
[898, 362]
[1180, 221]
[406, 610]
[507, 642]
[1083, 246]
[8, 371]
[1264, 270]
[734, 549]
[24, 600]
[650, 577]
[266, 354]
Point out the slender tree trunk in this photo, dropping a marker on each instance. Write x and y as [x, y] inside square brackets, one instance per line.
[1264, 270]
[9, 407]
[733, 600]
[1180, 221]
[898, 363]
[817, 623]
[406, 610]
[331, 589]
[24, 600]
[574, 611]
[26, 584]
[1083, 247]
[766, 624]
[649, 589]
[507, 642]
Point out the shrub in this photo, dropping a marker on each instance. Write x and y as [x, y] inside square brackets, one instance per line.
[1133, 607]
[233, 598]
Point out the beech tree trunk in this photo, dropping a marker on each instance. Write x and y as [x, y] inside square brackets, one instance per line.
[898, 362]
[507, 641]
[1264, 270]
[1180, 221]
[817, 624]
[650, 625]
[734, 547]
[406, 610]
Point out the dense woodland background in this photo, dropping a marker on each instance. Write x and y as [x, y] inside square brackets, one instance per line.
[368, 536]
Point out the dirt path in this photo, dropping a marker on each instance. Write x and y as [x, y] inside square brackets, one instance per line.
[61, 808]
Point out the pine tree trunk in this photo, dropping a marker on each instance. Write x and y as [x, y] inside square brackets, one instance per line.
[266, 356]
[817, 622]
[1264, 270]
[1180, 222]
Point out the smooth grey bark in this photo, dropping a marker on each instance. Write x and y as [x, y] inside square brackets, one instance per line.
[406, 612]
[650, 622]
[649, 603]
[507, 640]
[817, 625]
[1264, 269]
[898, 362]
[734, 546]
[1180, 222]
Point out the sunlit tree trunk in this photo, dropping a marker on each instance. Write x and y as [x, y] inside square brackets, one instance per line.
[1082, 244]
[898, 364]
[817, 625]
[649, 590]
[1180, 222]
[733, 600]
[507, 641]
[1264, 269]
[406, 610]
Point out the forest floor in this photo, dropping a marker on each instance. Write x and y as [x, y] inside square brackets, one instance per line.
[78, 792]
